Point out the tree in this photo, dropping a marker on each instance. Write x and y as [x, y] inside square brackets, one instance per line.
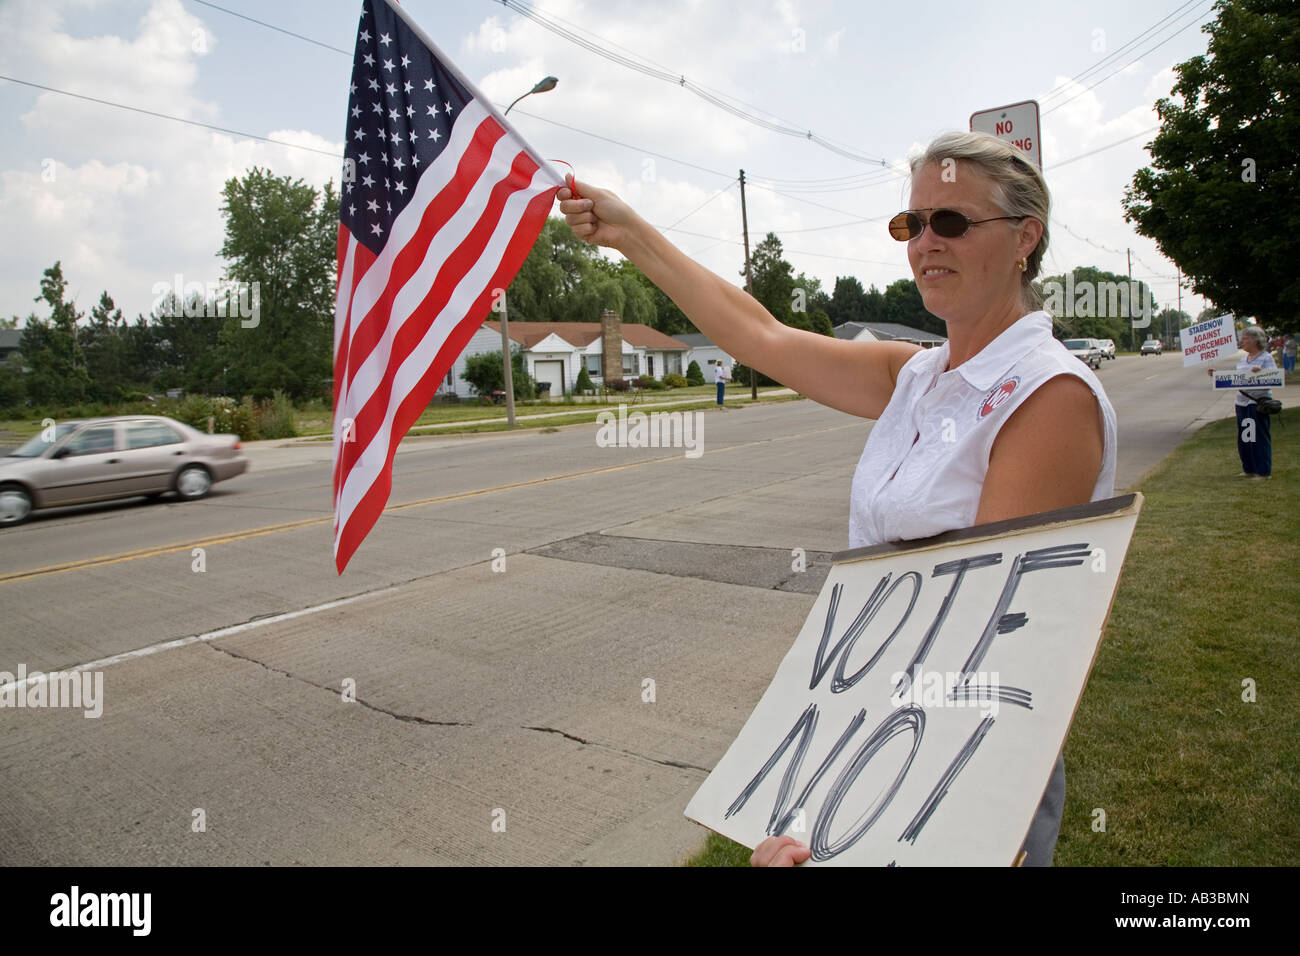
[50, 348]
[1222, 194]
[1094, 303]
[486, 374]
[693, 374]
[282, 235]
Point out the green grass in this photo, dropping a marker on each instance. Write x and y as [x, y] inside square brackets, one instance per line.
[1187, 772]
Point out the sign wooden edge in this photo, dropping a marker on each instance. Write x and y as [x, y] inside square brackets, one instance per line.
[1093, 510]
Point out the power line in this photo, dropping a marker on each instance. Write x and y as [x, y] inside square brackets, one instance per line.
[271, 26]
[1191, 23]
[166, 116]
[1063, 88]
[721, 101]
[702, 205]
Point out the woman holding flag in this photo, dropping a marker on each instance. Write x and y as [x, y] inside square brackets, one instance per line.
[1000, 422]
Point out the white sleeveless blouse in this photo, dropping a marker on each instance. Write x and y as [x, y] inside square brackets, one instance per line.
[905, 489]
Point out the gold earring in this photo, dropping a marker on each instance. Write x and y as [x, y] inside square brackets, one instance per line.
[1022, 265]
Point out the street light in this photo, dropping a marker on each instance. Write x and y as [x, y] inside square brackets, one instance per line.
[507, 373]
[542, 86]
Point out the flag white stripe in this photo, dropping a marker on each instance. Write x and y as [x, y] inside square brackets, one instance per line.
[368, 466]
[343, 298]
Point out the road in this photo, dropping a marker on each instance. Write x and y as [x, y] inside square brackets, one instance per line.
[556, 701]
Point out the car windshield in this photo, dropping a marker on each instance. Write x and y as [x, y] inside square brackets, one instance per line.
[1076, 343]
[37, 444]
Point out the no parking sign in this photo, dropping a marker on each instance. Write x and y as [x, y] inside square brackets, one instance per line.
[1017, 124]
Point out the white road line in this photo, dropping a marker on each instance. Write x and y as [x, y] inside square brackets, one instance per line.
[195, 638]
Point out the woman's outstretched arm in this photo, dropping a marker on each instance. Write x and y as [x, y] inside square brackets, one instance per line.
[854, 377]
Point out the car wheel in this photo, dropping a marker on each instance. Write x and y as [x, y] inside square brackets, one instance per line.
[193, 482]
[15, 504]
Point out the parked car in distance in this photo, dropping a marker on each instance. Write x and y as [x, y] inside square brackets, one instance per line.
[1085, 350]
[1152, 347]
[1107, 347]
[99, 459]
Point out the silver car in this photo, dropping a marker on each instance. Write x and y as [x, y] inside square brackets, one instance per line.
[1085, 350]
[75, 462]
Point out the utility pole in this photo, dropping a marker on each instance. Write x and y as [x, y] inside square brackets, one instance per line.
[1180, 299]
[1130, 285]
[749, 276]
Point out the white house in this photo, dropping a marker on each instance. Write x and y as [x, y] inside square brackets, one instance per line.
[554, 352]
[705, 353]
[887, 332]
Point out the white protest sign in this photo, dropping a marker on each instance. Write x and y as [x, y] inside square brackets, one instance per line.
[1208, 340]
[918, 716]
[1017, 124]
[1267, 378]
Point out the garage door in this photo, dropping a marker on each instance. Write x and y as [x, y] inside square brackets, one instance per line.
[552, 372]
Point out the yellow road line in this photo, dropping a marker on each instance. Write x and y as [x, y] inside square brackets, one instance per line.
[211, 540]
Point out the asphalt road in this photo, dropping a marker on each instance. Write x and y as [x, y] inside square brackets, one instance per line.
[555, 704]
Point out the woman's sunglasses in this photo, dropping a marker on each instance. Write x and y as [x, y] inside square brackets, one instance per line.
[948, 223]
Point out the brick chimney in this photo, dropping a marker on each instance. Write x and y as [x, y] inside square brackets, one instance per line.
[611, 345]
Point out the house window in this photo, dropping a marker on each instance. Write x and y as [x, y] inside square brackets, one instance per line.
[650, 365]
[629, 364]
[451, 378]
[593, 365]
[672, 364]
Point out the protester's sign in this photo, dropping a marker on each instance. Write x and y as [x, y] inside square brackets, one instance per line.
[1208, 340]
[1266, 378]
[918, 716]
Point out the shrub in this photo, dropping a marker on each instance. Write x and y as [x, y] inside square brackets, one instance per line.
[484, 373]
[693, 374]
[275, 417]
[584, 384]
[617, 384]
[740, 375]
[673, 380]
[646, 381]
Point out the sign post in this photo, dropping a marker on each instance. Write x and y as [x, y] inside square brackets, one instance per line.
[1016, 123]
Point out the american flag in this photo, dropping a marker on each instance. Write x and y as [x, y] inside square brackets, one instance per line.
[441, 203]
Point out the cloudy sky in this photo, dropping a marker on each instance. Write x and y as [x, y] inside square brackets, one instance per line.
[128, 200]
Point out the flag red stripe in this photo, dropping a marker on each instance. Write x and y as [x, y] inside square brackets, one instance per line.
[371, 416]
[371, 505]
[370, 330]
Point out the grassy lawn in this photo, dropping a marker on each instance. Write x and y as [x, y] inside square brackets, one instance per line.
[1188, 773]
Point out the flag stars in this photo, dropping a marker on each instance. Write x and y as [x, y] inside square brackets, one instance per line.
[367, 181]
[406, 61]
[384, 158]
[397, 163]
[356, 110]
[447, 106]
[390, 89]
[389, 65]
[382, 134]
[385, 39]
[359, 133]
[431, 110]
[415, 160]
[352, 89]
[401, 187]
[410, 111]
[428, 86]
[373, 205]
[377, 229]
[374, 84]
[433, 134]
[378, 108]
[390, 207]
[397, 137]
[392, 115]
[363, 159]
[368, 60]
[352, 210]
[407, 87]
[365, 36]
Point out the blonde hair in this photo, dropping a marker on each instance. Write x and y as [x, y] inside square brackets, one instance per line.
[1018, 188]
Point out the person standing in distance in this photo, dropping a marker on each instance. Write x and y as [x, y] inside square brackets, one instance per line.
[999, 422]
[722, 375]
[1254, 442]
